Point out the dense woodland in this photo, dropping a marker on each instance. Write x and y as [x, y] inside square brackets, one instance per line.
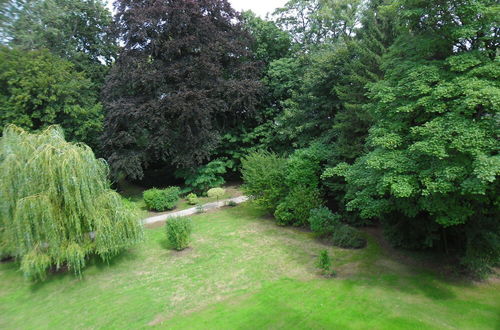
[373, 112]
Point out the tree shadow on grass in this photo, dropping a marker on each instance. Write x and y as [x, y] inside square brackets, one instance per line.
[93, 261]
[375, 266]
[165, 244]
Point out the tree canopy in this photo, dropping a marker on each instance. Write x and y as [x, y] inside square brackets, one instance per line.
[184, 75]
[38, 89]
[56, 207]
[76, 30]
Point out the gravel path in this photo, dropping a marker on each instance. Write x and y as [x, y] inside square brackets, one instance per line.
[193, 210]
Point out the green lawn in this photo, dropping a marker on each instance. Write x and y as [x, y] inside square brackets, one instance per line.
[243, 271]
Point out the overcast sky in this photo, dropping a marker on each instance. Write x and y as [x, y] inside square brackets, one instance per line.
[260, 7]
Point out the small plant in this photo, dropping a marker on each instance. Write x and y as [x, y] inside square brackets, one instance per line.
[200, 208]
[192, 199]
[216, 192]
[231, 203]
[324, 263]
[345, 236]
[323, 221]
[179, 232]
[161, 199]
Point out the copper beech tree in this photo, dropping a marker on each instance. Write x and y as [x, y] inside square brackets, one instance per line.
[185, 74]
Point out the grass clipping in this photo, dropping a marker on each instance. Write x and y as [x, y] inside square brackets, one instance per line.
[56, 205]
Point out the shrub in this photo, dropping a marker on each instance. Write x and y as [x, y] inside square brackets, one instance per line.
[324, 262]
[304, 166]
[200, 208]
[172, 194]
[295, 208]
[323, 221]
[263, 175]
[347, 237]
[161, 199]
[179, 232]
[192, 199]
[206, 176]
[155, 199]
[231, 203]
[216, 192]
[54, 194]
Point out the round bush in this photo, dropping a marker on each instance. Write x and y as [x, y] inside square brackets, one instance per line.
[216, 192]
[192, 199]
[161, 199]
[323, 221]
[179, 232]
[347, 237]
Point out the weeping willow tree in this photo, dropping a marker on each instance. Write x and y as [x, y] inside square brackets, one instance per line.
[56, 205]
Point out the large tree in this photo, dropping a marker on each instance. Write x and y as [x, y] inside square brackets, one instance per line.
[312, 22]
[38, 89]
[56, 207]
[359, 62]
[432, 167]
[76, 30]
[185, 75]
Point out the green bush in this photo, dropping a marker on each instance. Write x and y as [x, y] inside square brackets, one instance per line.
[304, 166]
[206, 176]
[324, 262]
[216, 192]
[263, 175]
[192, 199]
[295, 208]
[347, 237]
[161, 199]
[179, 232]
[323, 221]
[288, 188]
[231, 203]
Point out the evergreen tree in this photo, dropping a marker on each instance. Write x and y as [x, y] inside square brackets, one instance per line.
[360, 67]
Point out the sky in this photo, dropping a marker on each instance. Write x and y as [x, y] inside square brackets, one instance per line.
[260, 7]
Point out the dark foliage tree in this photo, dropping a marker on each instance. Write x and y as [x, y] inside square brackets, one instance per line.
[184, 76]
[269, 45]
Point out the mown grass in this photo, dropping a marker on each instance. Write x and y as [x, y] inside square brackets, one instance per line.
[243, 271]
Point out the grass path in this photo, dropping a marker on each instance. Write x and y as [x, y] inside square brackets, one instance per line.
[242, 271]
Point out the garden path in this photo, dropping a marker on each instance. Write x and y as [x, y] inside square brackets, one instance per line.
[194, 210]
